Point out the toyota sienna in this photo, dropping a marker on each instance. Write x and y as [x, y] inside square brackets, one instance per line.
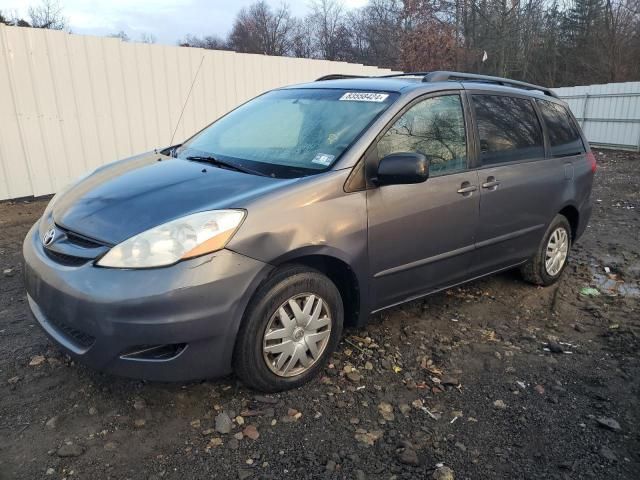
[251, 245]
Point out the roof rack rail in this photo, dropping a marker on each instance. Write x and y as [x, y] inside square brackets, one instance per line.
[337, 76]
[404, 74]
[441, 76]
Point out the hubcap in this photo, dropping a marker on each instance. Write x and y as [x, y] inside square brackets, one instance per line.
[557, 250]
[296, 335]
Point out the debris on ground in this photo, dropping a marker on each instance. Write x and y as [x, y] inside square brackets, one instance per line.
[37, 360]
[368, 437]
[443, 473]
[589, 292]
[223, 423]
[609, 423]
[70, 450]
[391, 401]
[251, 431]
[499, 404]
[554, 347]
[386, 411]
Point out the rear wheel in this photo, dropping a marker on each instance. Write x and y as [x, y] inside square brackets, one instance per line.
[291, 326]
[550, 260]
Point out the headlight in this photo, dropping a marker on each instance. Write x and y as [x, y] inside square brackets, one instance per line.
[186, 237]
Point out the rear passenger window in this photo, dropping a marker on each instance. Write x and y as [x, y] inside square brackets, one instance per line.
[564, 136]
[508, 128]
[433, 127]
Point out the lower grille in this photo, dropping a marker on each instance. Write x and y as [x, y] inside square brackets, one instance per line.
[79, 337]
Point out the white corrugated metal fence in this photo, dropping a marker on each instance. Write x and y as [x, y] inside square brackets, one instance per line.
[71, 103]
[609, 114]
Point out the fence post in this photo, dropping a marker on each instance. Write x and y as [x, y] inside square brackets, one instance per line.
[584, 111]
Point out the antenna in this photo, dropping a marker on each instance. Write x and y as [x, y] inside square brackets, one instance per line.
[186, 100]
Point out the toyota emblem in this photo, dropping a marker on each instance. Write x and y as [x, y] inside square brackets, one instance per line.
[49, 237]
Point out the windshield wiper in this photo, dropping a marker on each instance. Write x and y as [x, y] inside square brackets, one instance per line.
[221, 163]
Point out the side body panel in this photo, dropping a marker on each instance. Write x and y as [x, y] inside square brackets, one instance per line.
[583, 173]
[518, 200]
[405, 241]
[582, 184]
[420, 236]
[313, 217]
[515, 214]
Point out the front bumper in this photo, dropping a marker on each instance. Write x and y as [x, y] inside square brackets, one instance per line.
[100, 315]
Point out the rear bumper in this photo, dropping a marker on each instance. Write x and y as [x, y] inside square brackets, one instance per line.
[99, 315]
[585, 216]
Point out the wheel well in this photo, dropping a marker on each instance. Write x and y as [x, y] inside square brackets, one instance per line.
[343, 277]
[571, 214]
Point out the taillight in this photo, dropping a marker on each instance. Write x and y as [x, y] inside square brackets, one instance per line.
[592, 158]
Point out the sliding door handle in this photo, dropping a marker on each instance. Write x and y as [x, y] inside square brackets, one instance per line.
[491, 183]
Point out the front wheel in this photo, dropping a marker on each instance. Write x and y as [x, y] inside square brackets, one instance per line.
[550, 260]
[290, 329]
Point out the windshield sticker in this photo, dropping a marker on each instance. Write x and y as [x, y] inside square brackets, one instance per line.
[364, 97]
[323, 159]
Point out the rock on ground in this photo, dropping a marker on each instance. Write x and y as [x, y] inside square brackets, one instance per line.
[223, 423]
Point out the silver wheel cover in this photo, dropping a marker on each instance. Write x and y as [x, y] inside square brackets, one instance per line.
[556, 251]
[296, 335]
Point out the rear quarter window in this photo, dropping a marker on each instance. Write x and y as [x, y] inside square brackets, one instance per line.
[508, 129]
[564, 136]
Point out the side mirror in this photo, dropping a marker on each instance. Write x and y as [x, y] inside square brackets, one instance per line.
[402, 168]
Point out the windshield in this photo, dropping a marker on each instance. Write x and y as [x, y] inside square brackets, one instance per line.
[289, 133]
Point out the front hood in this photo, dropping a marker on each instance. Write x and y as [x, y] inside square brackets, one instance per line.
[133, 195]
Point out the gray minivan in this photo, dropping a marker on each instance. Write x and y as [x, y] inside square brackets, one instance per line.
[249, 246]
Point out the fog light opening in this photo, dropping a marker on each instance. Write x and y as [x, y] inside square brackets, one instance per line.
[154, 352]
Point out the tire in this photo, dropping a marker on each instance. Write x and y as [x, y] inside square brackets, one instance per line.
[258, 368]
[535, 271]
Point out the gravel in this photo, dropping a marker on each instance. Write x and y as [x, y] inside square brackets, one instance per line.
[421, 405]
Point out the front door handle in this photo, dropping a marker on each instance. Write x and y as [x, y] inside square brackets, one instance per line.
[467, 189]
[491, 183]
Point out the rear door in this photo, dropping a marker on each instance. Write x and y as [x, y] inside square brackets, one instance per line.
[566, 146]
[421, 236]
[518, 185]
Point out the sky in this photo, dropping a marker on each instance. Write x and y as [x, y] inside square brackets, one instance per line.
[167, 20]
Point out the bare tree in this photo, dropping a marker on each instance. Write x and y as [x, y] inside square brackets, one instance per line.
[620, 34]
[147, 38]
[552, 42]
[366, 27]
[47, 15]
[302, 44]
[382, 27]
[122, 35]
[327, 19]
[259, 29]
[210, 42]
[11, 18]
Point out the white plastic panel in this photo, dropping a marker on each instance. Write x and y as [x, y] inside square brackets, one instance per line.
[72, 103]
[609, 114]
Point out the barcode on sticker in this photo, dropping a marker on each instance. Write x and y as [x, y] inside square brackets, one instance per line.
[364, 96]
[323, 159]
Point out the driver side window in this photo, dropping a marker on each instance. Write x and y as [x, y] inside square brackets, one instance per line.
[434, 127]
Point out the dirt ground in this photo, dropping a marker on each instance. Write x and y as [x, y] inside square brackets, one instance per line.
[460, 384]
